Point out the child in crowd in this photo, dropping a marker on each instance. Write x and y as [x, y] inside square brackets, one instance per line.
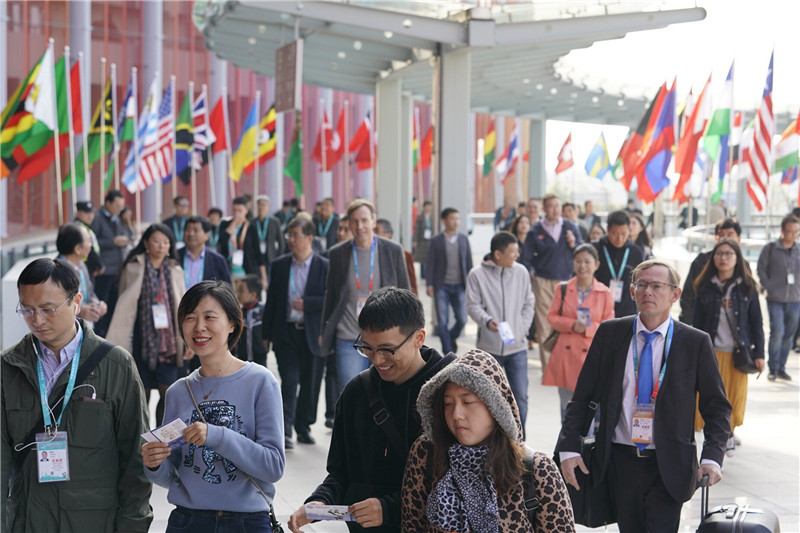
[251, 347]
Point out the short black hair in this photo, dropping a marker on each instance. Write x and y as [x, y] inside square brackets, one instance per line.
[796, 212]
[618, 218]
[305, 225]
[447, 211]
[567, 204]
[179, 198]
[426, 202]
[389, 307]
[203, 221]
[387, 226]
[112, 195]
[586, 248]
[240, 200]
[501, 241]
[730, 223]
[157, 226]
[222, 292]
[62, 273]
[214, 210]
[253, 284]
[69, 236]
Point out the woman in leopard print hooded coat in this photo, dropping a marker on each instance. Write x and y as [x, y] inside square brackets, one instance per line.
[464, 473]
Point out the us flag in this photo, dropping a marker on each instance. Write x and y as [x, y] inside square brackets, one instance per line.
[761, 149]
[203, 135]
[157, 154]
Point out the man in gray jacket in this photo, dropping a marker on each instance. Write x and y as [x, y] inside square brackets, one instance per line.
[779, 273]
[500, 300]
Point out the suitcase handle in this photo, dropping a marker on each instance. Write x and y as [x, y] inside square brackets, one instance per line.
[703, 484]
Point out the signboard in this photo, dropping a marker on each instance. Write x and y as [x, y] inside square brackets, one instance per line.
[289, 77]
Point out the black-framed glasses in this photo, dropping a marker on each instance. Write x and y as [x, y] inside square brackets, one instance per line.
[641, 286]
[383, 352]
[46, 312]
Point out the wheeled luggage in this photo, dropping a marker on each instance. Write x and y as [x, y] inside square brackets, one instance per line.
[733, 518]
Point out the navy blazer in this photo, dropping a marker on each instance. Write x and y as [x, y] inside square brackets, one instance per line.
[273, 324]
[214, 267]
[436, 265]
[691, 368]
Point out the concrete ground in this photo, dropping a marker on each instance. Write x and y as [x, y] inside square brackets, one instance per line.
[764, 472]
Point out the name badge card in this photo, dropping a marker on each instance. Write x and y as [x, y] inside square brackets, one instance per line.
[504, 328]
[790, 278]
[426, 234]
[642, 426]
[263, 247]
[616, 286]
[160, 318]
[180, 245]
[360, 305]
[237, 258]
[52, 457]
[585, 316]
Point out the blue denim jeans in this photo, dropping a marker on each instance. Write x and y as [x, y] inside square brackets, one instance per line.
[349, 363]
[516, 367]
[450, 296]
[783, 320]
[196, 521]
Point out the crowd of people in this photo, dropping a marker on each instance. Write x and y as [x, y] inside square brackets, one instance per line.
[422, 440]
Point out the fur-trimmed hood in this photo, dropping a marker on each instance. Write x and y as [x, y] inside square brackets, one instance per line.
[479, 372]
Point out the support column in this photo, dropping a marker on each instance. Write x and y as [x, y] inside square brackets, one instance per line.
[80, 40]
[402, 218]
[537, 179]
[392, 149]
[218, 78]
[454, 128]
[152, 51]
[3, 102]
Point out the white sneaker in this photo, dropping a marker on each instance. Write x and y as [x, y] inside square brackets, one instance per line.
[737, 440]
[730, 448]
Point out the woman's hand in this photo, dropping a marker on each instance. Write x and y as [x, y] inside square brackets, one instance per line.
[196, 434]
[154, 453]
[578, 327]
[760, 364]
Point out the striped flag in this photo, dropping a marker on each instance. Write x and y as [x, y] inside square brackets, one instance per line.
[157, 156]
[761, 149]
[147, 121]
[508, 161]
[203, 135]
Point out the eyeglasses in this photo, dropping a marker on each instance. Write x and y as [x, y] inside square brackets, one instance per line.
[387, 353]
[46, 312]
[724, 254]
[642, 286]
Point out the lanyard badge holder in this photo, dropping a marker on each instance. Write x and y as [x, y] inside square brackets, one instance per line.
[644, 413]
[160, 317]
[616, 284]
[362, 300]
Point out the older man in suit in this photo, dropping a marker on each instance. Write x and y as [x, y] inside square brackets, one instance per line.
[359, 266]
[647, 371]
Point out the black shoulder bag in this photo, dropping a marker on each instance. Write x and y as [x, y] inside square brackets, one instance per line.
[381, 415]
[742, 358]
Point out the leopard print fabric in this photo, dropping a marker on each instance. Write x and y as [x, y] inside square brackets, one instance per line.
[554, 513]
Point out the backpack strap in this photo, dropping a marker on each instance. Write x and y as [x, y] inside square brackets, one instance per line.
[381, 414]
[529, 486]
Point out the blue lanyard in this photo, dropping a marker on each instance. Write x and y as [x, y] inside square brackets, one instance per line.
[371, 263]
[667, 345]
[262, 232]
[292, 286]
[617, 275]
[186, 270]
[43, 385]
[214, 238]
[179, 234]
[324, 233]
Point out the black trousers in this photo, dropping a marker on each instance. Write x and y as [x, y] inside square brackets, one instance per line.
[296, 367]
[642, 501]
[332, 389]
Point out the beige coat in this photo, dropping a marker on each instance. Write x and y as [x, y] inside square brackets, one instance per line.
[120, 331]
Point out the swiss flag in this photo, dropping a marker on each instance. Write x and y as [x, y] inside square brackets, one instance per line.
[565, 160]
[333, 143]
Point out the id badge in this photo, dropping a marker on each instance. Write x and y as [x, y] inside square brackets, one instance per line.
[237, 258]
[616, 287]
[790, 278]
[642, 425]
[263, 247]
[322, 242]
[504, 328]
[180, 245]
[360, 305]
[52, 457]
[427, 234]
[160, 318]
[585, 316]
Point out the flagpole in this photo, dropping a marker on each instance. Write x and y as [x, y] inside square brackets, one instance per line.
[255, 147]
[209, 155]
[420, 192]
[371, 151]
[114, 123]
[103, 128]
[191, 152]
[59, 194]
[174, 92]
[136, 147]
[87, 176]
[228, 141]
[159, 183]
[322, 142]
[68, 69]
[346, 143]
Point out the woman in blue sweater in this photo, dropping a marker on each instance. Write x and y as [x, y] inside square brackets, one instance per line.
[234, 451]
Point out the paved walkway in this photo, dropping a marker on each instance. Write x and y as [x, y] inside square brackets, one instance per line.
[765, 470]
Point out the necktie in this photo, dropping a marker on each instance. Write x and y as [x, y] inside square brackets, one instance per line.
[646, 368]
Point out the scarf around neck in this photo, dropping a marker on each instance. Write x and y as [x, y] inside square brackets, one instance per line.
[158, 345]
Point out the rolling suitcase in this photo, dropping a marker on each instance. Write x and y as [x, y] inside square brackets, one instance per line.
[732, 518]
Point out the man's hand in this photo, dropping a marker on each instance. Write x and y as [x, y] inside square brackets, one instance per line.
[90, 312]
[299, 518]
[570, 239]
[267, 344]
[494, 326]
[429, 291]
[297, 304]
[713, 471]
[154, 453]
[568, 470]
[121, 241]
[760, 364]
[368, 513]
[196, 434]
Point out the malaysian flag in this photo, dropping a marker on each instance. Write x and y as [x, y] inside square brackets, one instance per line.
[761, 149]
[203, 136]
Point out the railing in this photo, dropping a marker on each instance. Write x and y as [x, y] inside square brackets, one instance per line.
[754, 237]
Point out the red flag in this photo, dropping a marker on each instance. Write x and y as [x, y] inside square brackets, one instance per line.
[365, 157]
[333, 143]
[687, 146]
[361, 136]
[631, 150]
[565, 160]
[760, 152]
[217, 123]
[652, 172]
[426, 151]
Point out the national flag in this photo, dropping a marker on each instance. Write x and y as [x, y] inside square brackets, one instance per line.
[156, 163]
[365, 157]
[720, 123]
[267, 139]
[148, 129]
[488, 149]
[127, 115]
[508, 160]
[184, 141]
[362, 135]
[415, 141]
[204, 137]
[245, 150]
[219, 123]
[692, 131]
[658, 155]
[100, 140]
[786, 155]
[294, 164]
[789, 176]
[333, 142]
[565, 160]
[631, 150]
[736, 138]
[598, 163]
[761, 149]
[425, 151]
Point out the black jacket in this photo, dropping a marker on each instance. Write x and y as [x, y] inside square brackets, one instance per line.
[361, 462]
[603, 273]
[688, 295]
[745, 315]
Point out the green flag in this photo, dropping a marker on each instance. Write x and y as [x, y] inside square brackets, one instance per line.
[294, 164]
[95, 143]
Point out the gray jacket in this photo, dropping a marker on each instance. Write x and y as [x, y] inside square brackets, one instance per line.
[775, 263]
[106, 230]
[503, 295]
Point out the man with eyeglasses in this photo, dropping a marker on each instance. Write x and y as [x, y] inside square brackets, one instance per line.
[90, 426]
[645, 372]
[376, 422]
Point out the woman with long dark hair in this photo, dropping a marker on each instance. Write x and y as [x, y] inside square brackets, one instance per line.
[520, 227]
[727, 308]
[639, 235]
[151, 285]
